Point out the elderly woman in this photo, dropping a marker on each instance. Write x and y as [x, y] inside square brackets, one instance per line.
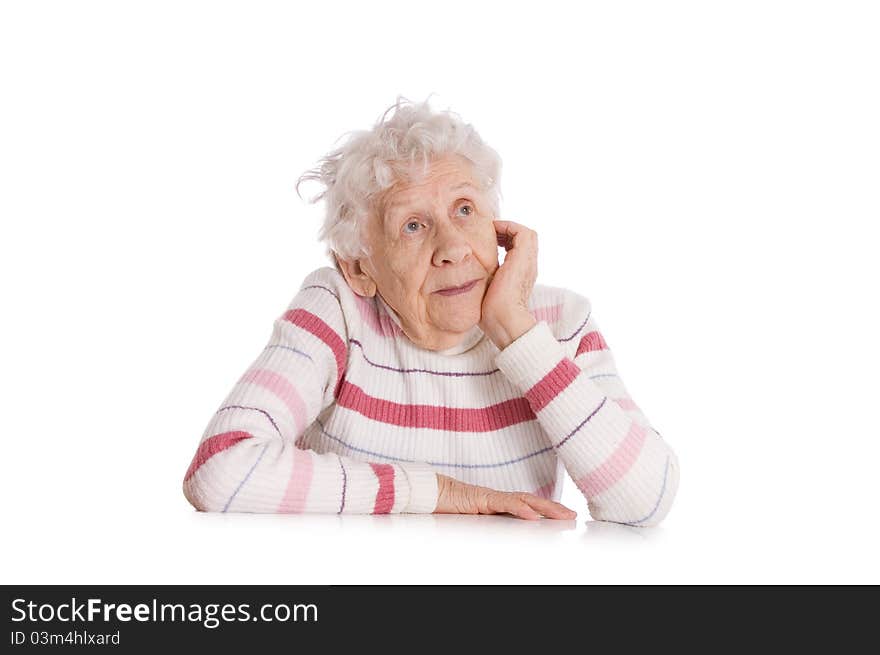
[420, 375]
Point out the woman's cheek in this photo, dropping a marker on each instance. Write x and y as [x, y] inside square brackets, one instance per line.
[489, 250]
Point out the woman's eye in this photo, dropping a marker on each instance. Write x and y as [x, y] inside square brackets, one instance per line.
[469, 208]
[410, 224]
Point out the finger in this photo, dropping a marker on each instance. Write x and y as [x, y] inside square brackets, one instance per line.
[505, 231]
[524, 511]
[509, 233]
[511, 228]
[549, 508]
[508, 226]
[511, 504]
[505, 239]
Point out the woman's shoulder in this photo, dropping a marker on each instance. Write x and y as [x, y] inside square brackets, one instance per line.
[328, 279]
[566, 311]
[326, 293]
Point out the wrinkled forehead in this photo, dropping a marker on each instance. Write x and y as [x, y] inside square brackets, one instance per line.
[415, 183]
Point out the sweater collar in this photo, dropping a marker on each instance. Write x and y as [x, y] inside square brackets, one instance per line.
[470, 339]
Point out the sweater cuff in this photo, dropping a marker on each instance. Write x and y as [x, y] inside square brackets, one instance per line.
[423, 488]
[528, 359]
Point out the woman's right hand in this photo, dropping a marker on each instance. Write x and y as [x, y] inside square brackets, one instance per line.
[461, 498]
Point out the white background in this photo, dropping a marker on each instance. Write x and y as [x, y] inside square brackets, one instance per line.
[706, 173]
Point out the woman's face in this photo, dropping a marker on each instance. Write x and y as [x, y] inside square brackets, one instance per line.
[430, 235]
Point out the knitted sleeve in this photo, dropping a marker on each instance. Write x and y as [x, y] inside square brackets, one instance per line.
[250, 458]
[625, 470]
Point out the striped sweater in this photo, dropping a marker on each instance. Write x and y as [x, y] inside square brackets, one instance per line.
[342, 413]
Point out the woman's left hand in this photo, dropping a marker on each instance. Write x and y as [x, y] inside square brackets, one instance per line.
[505, 311]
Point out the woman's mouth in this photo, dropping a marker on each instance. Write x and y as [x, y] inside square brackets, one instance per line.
[454, 291]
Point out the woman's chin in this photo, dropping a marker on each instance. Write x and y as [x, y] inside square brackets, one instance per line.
[458, 321]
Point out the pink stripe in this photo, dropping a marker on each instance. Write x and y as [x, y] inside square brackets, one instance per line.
[626, 403]
[385, 495]
[283, 388]
[550, 313]
[546, 491]
[617, 465]
[552, 384]
[294, 501]
[213, 445]
[311, 323]
[591, 341]
[482, 419]
[377, 320]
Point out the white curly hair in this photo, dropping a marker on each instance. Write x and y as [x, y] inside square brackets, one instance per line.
[356, 175]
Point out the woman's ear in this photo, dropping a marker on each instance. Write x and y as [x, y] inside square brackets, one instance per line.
[358, 279]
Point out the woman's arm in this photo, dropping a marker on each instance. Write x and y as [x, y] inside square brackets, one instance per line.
[249, 460]
[626, 471]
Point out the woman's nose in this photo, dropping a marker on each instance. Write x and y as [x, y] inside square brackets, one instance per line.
[451, 248]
